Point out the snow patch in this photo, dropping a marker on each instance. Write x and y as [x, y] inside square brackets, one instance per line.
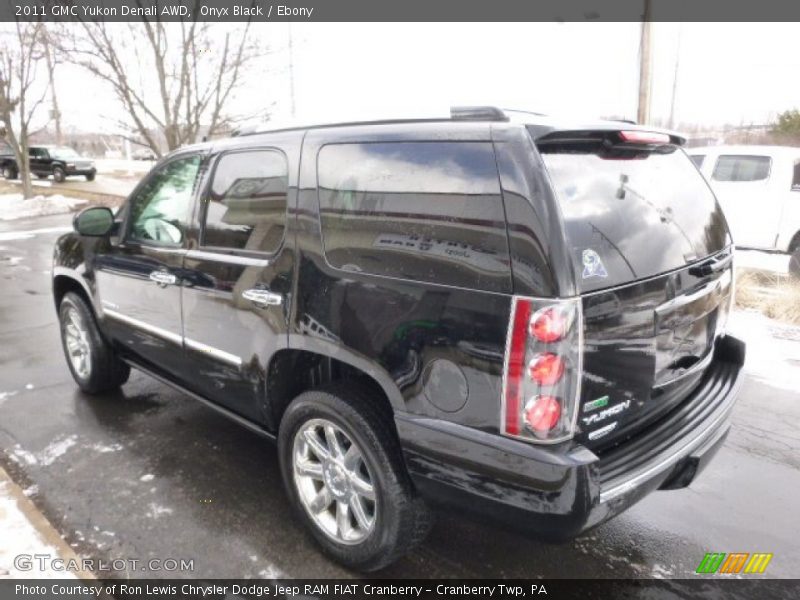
[21, 537]
[6, 395]
[10, 236]
[102, 449]
[19, 454]
[773, 348]
[148, 477]
[29, 386]
[14, 206]
[56, 449]
[156, 511]
[31, 490]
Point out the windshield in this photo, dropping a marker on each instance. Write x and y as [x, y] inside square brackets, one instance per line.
[65, 153]
[632, 214]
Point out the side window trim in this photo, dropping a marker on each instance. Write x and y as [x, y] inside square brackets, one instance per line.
[125, 230]
[202, 210]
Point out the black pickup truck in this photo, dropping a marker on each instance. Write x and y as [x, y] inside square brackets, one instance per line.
[58, 161]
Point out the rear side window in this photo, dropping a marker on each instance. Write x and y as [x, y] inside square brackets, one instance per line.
[698, 159]
[732, 167]
[246, 204]
[425, 211]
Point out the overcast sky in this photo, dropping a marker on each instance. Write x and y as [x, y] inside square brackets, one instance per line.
[730, 72]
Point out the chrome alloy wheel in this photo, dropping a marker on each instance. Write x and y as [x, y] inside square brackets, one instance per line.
[76, 338]
[334, 482]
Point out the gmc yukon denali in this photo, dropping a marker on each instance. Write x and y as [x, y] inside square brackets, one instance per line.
[497, 311]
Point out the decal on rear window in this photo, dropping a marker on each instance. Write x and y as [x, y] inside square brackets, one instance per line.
[592, 265]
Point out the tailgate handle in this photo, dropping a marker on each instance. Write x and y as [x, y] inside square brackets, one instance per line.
[711, 266]
[261, 297]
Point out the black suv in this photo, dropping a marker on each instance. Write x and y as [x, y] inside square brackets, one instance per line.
[58, 161]
[496, 311]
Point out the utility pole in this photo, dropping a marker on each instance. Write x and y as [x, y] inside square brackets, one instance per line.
[675, 80]
[291, 72]
[51, 68]
[643, 113]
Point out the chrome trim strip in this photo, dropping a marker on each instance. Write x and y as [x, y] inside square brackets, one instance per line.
[229, 258]
[697, 441]
[227, 357]
[152, 329]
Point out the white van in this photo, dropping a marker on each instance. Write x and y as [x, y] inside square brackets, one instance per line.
[758, 188]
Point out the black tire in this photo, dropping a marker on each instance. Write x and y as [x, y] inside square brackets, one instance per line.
[794, 264]
[402, 520]
[90, 177]
[9, 172]
[59, 175]
[106, 371]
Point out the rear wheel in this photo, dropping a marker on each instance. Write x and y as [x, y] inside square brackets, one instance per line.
[59, 174]
[9, 172]
[343, 470]
[794, 264]
[92, 361]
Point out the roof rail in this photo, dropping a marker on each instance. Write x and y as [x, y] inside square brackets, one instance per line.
[477, 113]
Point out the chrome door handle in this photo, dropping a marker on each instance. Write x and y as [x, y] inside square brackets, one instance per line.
[262, 297]
[163, 279]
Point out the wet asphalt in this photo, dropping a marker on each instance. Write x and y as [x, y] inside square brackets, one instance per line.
[151, 473]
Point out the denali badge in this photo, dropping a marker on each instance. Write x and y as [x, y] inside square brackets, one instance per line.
[592, 265]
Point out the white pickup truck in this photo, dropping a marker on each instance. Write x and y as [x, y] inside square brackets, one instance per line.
[758, 188]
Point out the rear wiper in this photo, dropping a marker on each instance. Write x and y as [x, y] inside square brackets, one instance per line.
[714, 265]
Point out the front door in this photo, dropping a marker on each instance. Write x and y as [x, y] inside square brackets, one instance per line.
[138, 279]
[238, 280]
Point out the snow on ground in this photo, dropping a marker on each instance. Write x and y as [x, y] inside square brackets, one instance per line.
[14, 206]
[20, 536]
[762, 261]
[773, 348]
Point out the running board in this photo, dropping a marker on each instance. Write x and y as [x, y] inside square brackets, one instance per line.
[220, 409]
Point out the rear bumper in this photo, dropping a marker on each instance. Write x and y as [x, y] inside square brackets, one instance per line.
[558, 492]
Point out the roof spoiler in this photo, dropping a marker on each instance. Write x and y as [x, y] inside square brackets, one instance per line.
[477, 113]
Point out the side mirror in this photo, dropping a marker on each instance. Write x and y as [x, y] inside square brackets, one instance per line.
[96, 221]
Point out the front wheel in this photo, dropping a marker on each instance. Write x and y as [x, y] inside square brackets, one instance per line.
[343, 470]
[90, 177]
[59, 175]
[92, 361]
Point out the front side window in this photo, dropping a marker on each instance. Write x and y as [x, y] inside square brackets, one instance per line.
[160, 210]
[698, 159]
[425, 211]
[246, 204]
[741, 168]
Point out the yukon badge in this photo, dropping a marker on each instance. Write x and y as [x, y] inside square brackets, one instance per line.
[592, 265]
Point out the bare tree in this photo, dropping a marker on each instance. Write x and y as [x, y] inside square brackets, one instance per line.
[175, 81]
[51, 60]
[21, 92]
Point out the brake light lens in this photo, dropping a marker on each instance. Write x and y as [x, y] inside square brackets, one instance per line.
[546, 369]
[644, 137]
[549, 324]
[542, 413]
[541, 382]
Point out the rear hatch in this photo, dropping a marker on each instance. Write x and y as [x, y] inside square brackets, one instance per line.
[653, 264]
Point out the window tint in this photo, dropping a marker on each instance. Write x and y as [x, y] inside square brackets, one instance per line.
[742, 168]
[426, 211]
[37, 153]
[161, 207]
[246, 206]
[796, 175]
[698, 159]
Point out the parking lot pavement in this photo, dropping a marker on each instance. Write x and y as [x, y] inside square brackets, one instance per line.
[149, 473]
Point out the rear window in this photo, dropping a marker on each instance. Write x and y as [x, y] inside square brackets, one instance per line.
[632, 215]
[732, 167]
[425, 211]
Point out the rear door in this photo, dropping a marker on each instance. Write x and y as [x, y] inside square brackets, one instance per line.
[651, 255]
[743, 185]
[238, 279]
[139, 279]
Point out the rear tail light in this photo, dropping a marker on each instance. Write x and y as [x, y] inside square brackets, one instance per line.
[541, 382]
[644, 137]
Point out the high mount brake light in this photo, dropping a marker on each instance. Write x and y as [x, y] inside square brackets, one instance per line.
[541, 380]
[644, 137]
